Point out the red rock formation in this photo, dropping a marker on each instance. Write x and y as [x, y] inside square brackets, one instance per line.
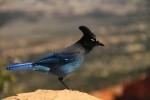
[138, 90]
[135, 90]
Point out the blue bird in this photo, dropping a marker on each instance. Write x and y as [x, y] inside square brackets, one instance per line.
[62, 62]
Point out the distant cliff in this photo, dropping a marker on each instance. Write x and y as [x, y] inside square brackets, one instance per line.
[71, 7]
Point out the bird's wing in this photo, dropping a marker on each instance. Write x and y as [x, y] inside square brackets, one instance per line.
[56, 59]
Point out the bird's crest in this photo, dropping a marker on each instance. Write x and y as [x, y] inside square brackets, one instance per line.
[90, 37]
[86, 31]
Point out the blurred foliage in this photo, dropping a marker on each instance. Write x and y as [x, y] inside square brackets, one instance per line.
[6, 82]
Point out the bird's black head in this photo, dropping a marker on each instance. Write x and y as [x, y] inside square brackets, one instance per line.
[89, 40]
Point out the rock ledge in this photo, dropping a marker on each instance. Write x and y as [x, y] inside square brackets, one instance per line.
[52, 95]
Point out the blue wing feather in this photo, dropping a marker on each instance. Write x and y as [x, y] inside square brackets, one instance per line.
[56, 59]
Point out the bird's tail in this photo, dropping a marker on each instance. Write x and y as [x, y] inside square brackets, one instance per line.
[20, 66]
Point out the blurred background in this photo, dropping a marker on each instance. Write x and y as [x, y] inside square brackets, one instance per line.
[118, 71]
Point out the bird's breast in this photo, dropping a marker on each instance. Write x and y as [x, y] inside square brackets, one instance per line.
[68, 68]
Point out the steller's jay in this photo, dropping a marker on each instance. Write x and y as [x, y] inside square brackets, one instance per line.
[62, 62]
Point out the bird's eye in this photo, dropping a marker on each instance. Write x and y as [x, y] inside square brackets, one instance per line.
[93, 40]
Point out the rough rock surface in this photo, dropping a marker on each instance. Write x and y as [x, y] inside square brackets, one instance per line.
[52, 95]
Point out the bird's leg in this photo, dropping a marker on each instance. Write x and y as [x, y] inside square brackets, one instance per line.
[61, 80]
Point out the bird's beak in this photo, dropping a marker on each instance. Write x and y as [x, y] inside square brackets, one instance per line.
[99, 43]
